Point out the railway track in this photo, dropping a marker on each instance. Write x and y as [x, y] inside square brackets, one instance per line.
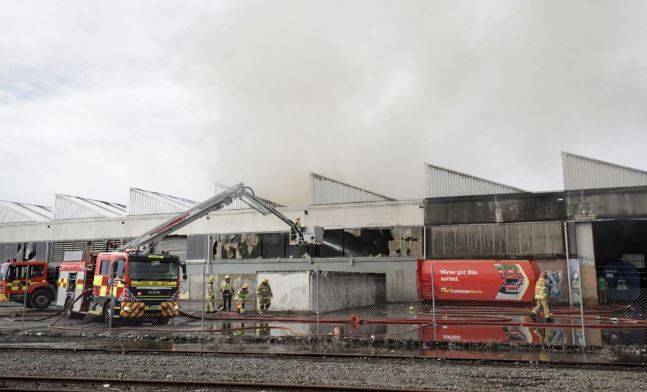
[40, 383]
[323, 356]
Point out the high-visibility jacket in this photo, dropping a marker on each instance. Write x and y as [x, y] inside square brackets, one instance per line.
[210, 292]
[226, 287]
[540, 289]
[241, 295]
[264, 291]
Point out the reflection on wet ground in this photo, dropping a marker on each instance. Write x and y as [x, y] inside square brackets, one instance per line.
[500, 329]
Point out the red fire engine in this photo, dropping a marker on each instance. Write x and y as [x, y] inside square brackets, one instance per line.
[41, 287]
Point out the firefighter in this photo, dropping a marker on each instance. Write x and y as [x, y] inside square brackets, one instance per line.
[227, 290]
[264, 294]
[542, 299]
[297, 223]
[211, 295]
[241, 297]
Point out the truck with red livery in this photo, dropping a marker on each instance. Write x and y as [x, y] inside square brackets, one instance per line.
[33, 278]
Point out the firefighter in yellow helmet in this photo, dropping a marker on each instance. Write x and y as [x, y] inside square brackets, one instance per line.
[541, 296]
[241, 297]
[227, 290]
[211, 295]
[297, 223]
[264, 294]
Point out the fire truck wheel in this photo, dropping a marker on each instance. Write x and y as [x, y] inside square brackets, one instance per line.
[40, 299]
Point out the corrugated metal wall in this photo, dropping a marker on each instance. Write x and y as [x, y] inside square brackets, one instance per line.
[587, 173]
[441, 182]
[533, 239]
[142, 202]
[197, 247]
[328, 191]
[72, 207]
[60, 247]
[11, 212]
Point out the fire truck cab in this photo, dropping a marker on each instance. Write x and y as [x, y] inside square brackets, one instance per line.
[34, 276]
[121, 285]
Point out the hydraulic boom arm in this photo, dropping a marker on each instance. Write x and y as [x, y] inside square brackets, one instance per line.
[148, 240]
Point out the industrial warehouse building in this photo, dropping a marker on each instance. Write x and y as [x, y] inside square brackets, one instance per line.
[599, 219]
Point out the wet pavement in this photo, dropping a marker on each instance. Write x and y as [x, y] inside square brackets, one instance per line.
[496, 333]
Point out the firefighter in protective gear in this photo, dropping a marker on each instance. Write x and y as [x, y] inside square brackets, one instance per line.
[241, 297]
[264, 294]
[297, 223]
[227, 290]
[211, 295]
[542, 299]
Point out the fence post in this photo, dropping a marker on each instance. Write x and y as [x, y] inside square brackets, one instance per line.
[24, 305]
[112, 302]
[568, 265]
[433, 299]
[317, 306]
[204, 288]
[579, 274]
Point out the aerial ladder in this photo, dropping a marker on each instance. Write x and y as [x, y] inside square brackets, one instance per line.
[131, 282]
[299, 235]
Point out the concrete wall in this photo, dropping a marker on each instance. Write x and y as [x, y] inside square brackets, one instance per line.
[354, 215]
[344, 290]
[400, 272]
[291, 290]
[586, 254]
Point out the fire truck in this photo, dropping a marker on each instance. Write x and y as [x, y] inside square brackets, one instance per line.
[42, 283]
[132, 282]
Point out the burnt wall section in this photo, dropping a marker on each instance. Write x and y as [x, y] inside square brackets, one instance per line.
[500, 241]
[607, 203]
[22, 251]
[376, 242]
[523, 207]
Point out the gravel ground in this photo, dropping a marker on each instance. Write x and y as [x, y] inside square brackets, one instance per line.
[428, 374]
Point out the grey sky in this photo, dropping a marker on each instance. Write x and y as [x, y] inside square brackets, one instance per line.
[172, 96]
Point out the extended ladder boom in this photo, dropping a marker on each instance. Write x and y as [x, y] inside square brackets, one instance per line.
[148, 240]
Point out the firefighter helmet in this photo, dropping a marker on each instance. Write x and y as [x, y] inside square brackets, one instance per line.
[227, 277]
[266, 281]
[212, 279]
[244, 287]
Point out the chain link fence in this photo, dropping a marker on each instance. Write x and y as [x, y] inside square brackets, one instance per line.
[485, 302]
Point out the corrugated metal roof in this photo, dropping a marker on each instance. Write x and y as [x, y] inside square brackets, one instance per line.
[588, 173]
[143, 202]
[441, 182]
[74, 207]
[238, 204]
[328, 191]
[11, 212]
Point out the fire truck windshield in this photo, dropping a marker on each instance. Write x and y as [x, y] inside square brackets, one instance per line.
[152, 270]
[4, 272]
